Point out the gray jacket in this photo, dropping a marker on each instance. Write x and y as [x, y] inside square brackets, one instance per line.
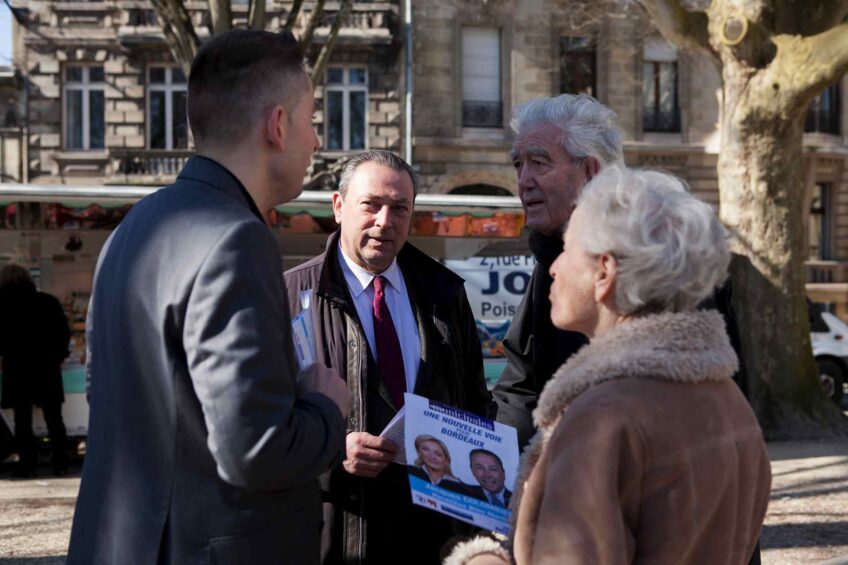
[198, 449]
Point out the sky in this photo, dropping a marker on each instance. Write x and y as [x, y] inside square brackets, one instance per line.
[5, 35]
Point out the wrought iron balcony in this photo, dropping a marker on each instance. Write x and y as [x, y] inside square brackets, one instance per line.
[146, 166]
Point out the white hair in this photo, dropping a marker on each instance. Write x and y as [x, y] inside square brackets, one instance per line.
[589, 129]
[670, 248]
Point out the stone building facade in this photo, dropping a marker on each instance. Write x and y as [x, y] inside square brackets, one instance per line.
[104, 101]
[100, 98]
[506, 52]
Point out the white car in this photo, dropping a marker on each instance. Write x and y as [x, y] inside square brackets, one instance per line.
[830, 348]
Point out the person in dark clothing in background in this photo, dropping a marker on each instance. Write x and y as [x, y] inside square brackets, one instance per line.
[34, 340]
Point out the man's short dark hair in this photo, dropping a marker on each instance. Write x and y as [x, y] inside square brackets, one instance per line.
[237, 76]
[381, 157]
[484, 452]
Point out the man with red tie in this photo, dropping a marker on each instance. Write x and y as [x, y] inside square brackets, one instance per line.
[391, 320]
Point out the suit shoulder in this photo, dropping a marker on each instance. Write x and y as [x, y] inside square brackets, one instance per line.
[306, 274]
[306, 268]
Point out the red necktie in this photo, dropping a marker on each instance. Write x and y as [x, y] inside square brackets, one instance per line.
[389, 357]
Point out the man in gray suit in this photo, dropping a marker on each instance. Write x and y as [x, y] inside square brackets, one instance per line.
[204, 441]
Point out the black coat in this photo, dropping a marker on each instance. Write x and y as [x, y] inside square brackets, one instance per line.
[534, 348]
[371, 520]
[34, 341]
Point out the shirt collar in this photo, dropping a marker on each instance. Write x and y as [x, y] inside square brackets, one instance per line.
[358, 279]
[501, 494]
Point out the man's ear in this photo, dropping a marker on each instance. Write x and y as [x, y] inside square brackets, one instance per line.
[606, 276]
[592, 168]
[337, 207]
[276, 127]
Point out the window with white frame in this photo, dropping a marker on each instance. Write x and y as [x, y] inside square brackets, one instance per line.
[346, 108]
[825, 111]
[167, 126]
[819, 227]
[84, 107]
[482, 104]
[577, 65]
[660, 105]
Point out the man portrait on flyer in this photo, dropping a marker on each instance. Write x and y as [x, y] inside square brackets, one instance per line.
[488, 470]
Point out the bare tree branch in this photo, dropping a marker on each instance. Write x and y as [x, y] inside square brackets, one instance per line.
[15, 13]
[324, 55]
[256, 15]
[221, 15]
[314, 22]
[178, 30]
[686, 30]
[291, 19]
[805, 65]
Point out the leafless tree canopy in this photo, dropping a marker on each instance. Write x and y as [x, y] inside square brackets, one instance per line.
[182, 38]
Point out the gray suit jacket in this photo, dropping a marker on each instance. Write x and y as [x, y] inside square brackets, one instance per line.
[198, 450]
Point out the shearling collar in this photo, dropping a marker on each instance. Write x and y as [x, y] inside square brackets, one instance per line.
[688, 347]
[683, 347]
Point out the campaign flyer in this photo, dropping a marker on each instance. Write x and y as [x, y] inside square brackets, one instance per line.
[460, 464]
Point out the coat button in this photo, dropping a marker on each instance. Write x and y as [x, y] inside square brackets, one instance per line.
[351, 344]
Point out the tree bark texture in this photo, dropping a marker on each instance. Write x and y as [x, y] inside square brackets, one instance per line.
[256, 15]
[762, 203]
[327, 48]
[178, 30]
[770, 72]
[221, 16]
[291, 18]
[312, 25]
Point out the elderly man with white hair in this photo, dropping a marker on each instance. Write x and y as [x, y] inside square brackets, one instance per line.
[646, 452]
[560, 144]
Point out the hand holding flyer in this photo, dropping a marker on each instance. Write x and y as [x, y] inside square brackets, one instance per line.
[395, 432]
[304, 346]
[460, 464]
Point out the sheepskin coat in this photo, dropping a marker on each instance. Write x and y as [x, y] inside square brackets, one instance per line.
[647, 452]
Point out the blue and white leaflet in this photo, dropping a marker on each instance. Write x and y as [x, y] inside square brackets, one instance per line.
[460, 464]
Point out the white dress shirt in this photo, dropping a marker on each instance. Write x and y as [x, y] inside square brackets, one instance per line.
[397, 299]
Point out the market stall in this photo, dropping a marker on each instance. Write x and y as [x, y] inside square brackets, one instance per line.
[58, 231]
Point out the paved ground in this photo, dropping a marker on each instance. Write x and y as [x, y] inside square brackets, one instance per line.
[807, 520]
[36, 519]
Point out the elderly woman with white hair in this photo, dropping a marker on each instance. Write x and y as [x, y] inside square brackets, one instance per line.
[647, 452]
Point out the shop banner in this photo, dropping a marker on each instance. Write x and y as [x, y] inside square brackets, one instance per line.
[495, 287]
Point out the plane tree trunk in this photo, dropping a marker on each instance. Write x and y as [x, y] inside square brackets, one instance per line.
[774, 57]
